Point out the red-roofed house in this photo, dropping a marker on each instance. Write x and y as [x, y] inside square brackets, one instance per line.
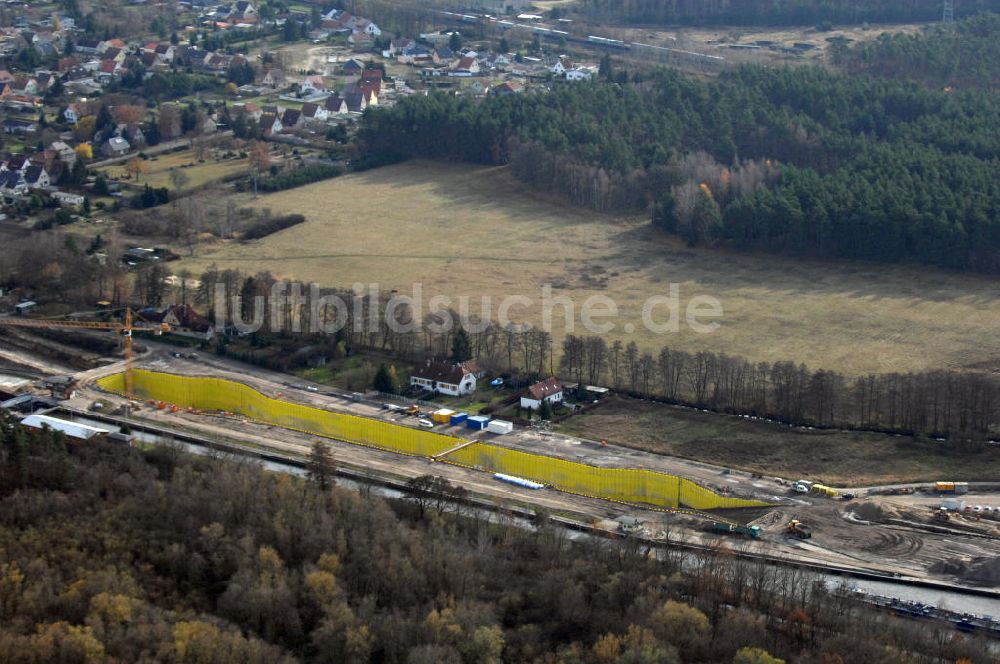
[547, 390]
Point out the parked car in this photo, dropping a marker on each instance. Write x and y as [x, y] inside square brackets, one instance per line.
[427, 424]
[312, 388]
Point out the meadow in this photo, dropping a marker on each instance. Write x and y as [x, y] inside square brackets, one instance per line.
[473, 231]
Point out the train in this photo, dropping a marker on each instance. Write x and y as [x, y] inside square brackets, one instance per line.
[605, 41]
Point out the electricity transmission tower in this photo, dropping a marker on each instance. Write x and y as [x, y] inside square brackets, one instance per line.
[949, 11]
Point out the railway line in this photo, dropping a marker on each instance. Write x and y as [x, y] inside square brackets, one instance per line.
[595, 41]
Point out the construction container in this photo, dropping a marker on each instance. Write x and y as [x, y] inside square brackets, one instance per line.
[953, 504]
[944, 487]
[961, 487]
[825, 490]
[458, 418]
[477, 422]
[442, 416]
[500, 426]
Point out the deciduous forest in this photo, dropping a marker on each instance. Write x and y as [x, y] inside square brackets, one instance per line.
[114, 554]
[799, 161]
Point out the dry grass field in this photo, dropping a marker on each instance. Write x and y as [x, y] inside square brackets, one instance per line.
[842, 458]
[159, 167]
[470, 231]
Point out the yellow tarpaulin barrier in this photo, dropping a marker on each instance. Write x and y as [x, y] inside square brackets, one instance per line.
[629, 485]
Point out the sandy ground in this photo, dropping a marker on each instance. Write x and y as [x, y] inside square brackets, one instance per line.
[840, 537]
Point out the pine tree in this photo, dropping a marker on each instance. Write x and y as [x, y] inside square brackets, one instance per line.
[461, 348]
[320, 467]
[385, 380]
[545, 410]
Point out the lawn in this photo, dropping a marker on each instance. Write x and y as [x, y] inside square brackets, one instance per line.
[159, 167]
[836, 457]
[471, 231]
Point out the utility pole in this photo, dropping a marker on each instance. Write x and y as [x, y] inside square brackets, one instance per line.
[949, 12]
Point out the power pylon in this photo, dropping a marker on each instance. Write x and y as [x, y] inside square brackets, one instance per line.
[949, 11]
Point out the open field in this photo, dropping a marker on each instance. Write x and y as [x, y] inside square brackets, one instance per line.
[473, 231]
[836, 457]
[160, 166]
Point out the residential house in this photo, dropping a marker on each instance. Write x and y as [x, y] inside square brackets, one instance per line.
[73, 113]
[185, 321]
[249, 109]
[312, 85]
[335, 105]
[243, 12]
[454, 379]
[36, 177]
[361, 41]
[64, 152]
[444, 54]
[115, 55]
[17, 163]
[88, 46]
[562, 65]
[270, 124]
[19, 126]
[164, 52]
[506, 88]
[371, 75]
[397, 46]
[314, 112]
[66, 198]
[273, 78]
[580, 74]
[467, 66]
[292, 118]
[6, 76]
[116, 146]
[353, 67]
[5, 90]
[367, 27]
[12, 184]
[547, 390]
[25, 85]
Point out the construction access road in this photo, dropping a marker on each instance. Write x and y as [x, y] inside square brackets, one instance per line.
[889, 534]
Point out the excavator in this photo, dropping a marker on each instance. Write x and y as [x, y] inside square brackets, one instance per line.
[123, 328]
[796, 528]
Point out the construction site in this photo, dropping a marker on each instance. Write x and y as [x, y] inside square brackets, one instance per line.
[941, 535]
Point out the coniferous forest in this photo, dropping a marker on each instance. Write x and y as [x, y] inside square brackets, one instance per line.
[773, 12]
[800, 161]
[114, 554]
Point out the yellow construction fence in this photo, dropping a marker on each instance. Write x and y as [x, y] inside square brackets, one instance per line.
[630, 485]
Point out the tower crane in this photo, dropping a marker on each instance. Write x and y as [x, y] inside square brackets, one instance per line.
[124, 329]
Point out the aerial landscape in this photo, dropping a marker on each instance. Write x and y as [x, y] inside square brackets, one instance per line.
[482, 331]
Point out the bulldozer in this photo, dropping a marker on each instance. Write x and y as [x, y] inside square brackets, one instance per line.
[796, 528]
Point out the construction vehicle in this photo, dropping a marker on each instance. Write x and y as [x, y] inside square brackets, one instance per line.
[796, 528]
[124, 329]
[942, 515]
[753, 532]
[824, 490]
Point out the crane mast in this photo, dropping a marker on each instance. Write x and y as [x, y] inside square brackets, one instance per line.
[124, 329]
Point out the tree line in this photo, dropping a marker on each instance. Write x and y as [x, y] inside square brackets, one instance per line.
[965, 55]
[962, 405]
[965, 405]
[113, 553]
[772, 12]
[799, 161]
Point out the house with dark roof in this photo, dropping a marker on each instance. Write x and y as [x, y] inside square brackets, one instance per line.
[546, 390]
[446, 377]
[314, 112]
[36, 177]
[335, 105]
[19, 126]
[11, 183]
[292, 118]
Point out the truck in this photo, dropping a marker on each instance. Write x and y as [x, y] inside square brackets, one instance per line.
[951, 487]
[753, 532]
[802, 486]
[796, 528]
